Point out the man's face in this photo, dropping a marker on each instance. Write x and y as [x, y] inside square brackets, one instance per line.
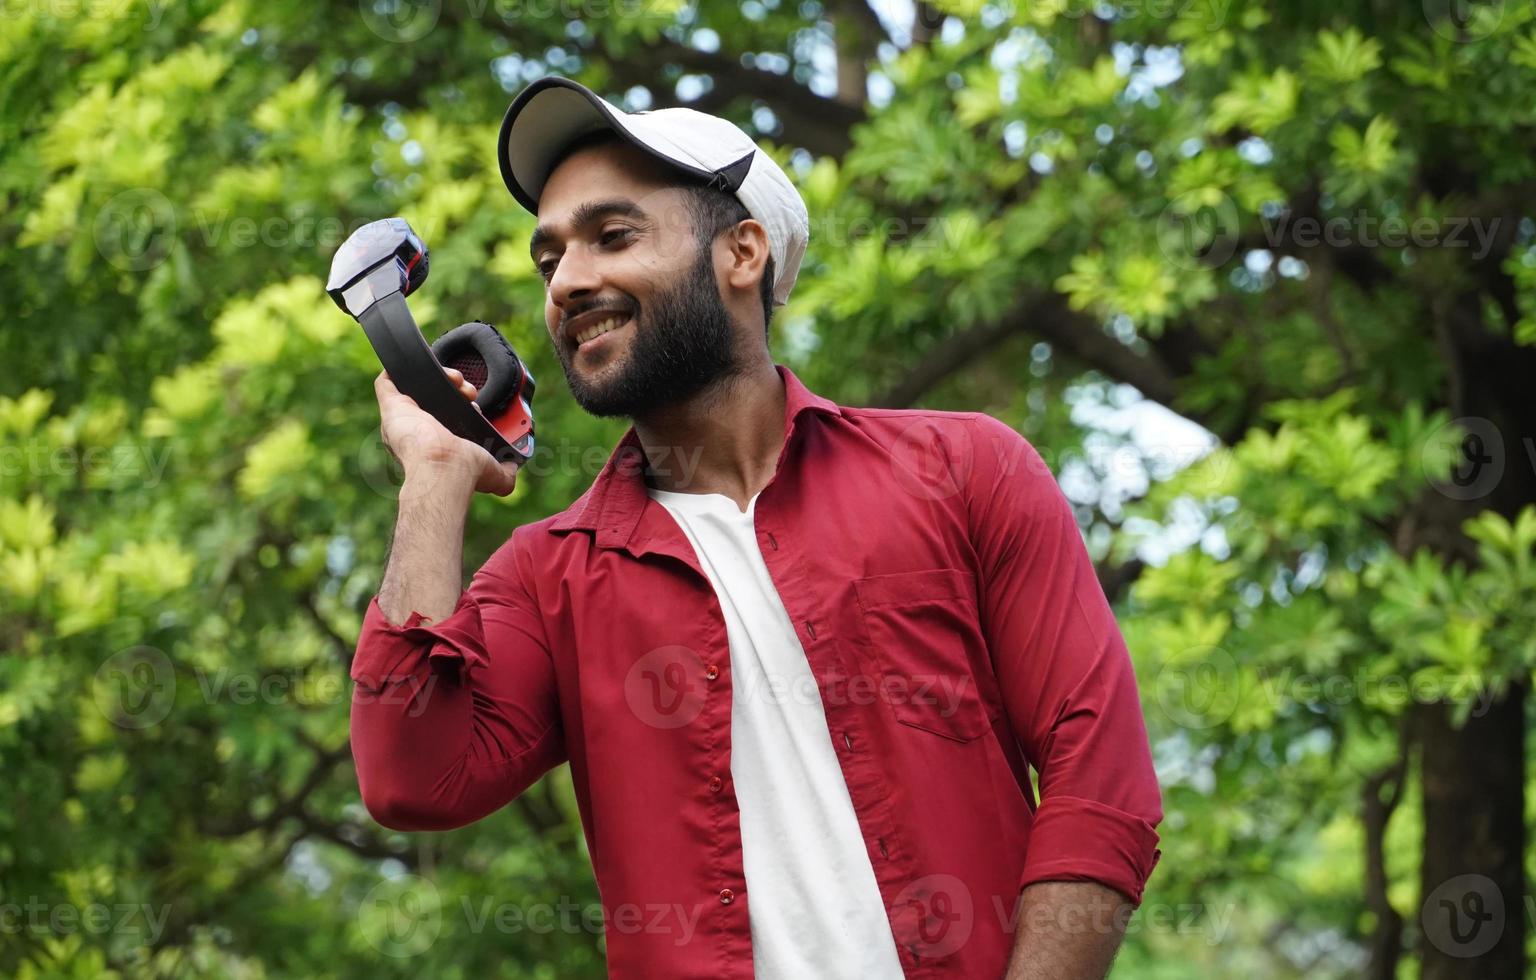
[632, 303]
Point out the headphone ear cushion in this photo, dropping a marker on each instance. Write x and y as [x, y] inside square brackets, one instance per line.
[480, 353]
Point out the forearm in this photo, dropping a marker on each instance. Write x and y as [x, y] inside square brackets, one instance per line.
[411, 740]
[446, 725]
[410, 730]
[416, 738]
[424, 573]
[1067, 930]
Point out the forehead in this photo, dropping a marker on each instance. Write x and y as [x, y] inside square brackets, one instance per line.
[603, 171]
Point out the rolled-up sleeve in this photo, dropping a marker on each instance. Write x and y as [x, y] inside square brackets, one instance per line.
[451, 720]
[1064, 673]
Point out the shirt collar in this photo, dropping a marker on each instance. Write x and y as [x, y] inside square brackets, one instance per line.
[612, 506]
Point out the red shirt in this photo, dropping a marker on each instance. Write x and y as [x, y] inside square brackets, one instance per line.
[949, 612]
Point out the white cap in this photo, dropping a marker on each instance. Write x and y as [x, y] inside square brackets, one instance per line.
[550, 114]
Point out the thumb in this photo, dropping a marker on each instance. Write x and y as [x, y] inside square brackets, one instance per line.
[503, 478]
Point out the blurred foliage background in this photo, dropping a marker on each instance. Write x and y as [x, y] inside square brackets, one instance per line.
[1257, 279]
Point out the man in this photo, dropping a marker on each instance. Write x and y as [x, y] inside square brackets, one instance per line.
[799, 656]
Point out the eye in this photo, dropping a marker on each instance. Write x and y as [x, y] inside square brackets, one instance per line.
[613, 236]
[547, 268]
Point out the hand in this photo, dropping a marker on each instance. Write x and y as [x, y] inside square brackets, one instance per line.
[425, 447]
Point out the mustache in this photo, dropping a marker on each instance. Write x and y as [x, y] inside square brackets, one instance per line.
[611, 307]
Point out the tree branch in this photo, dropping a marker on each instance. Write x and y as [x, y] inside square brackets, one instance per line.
[355, 838]
[1116, 579]
[944, 358]
[293, 806]
[310, 607]
[1379, 798]
[818, 124]
[178, 931]
[926, 22]
[1047, 316]
[857, 32]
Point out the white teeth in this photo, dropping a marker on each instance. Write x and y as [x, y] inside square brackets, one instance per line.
[597, 329]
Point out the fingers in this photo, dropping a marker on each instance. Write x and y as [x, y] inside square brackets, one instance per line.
[466, 389]
[410, 433]
[387, 393]
[383, 387]
[499, 478]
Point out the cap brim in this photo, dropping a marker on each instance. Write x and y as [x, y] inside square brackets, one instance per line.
[544, 119]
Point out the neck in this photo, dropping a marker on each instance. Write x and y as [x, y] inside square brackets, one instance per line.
[726, 439]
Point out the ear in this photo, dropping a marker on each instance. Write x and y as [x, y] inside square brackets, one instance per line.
[747, 251]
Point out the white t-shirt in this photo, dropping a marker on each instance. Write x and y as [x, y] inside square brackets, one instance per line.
[814, 907]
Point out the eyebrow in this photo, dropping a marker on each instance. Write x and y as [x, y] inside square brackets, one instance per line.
[584, 215]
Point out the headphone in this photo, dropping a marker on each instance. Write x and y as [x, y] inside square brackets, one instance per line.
[371, 274]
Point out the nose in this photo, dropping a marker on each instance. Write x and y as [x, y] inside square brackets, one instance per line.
[575, 279]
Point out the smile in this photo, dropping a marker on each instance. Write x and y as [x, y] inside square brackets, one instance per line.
[599, 329]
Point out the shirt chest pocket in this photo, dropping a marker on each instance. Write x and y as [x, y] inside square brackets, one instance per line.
[922, 640]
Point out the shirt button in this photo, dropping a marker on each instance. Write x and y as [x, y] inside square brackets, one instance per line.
[727, 896]
[715, 782]
[711, 672]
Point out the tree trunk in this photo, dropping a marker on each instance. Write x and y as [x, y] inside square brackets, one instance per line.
[1472, 920]
[1379, 800]
[1472, 916]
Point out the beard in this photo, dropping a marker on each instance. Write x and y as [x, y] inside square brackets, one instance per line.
[680, 346]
